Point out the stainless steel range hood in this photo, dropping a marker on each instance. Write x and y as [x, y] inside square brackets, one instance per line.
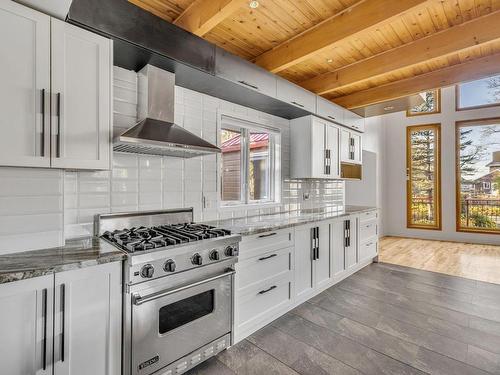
[156, 132]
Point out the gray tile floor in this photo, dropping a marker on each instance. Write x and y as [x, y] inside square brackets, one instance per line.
[385, 319]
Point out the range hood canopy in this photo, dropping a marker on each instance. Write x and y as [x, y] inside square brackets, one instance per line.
[156, 133]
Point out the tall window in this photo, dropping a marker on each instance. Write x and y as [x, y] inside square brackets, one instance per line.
[431, 104]
[423, 176]
[478, 175]
[251, 163]
[478, 94]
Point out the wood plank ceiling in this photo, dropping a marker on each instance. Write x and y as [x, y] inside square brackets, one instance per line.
[350, 51]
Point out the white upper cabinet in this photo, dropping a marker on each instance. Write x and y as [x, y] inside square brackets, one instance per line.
[55, 97]
[25, 86]
[81, 87]
[244, 73]
[354, 121]
[350, 147]
[295, 95]
[329, 110]
[314, 151]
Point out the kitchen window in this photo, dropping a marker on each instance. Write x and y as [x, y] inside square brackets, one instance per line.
[478, 176]
[423, 176]
[431, 104]
[480, 93]
[251, 162]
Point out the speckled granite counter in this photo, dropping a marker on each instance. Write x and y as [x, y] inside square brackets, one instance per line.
[265, 223]
[75, 254]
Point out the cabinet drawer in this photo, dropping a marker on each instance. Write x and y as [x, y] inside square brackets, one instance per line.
[367, 216]
[263, 267]
[257, 244]
[329, 110]
[368, 250]
[258, 302]
[295, 95]
[367, 229]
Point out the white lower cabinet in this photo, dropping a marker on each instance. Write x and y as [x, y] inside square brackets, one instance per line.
[81, 307]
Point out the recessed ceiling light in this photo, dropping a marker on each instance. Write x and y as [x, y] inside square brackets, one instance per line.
[388, 108]
[329, 61]
[254, 4]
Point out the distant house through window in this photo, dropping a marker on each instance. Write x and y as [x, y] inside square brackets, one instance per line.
[250, 163]
[431, 104]
[478, 94]
[478, 175]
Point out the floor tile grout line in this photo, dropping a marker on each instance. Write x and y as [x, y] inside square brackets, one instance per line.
[287, 334]
[384, 289]
[347, 338]
[408, 364]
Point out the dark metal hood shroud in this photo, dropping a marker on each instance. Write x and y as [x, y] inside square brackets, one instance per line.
[156, 132]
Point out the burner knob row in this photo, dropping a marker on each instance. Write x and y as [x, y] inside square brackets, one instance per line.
[169, 266]
[197, 259]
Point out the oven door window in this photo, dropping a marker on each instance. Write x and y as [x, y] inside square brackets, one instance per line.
[184, 311]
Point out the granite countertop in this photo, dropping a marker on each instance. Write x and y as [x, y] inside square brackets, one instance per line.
[75, 254]
[264, 223]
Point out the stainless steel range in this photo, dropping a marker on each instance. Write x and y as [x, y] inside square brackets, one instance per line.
[178, 278]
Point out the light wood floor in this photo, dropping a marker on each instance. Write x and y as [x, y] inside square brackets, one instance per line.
[473, 261]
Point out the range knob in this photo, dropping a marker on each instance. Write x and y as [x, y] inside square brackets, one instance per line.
[197, 259]
[231, 251]
[169, 266]
[214, 255]
[147, 271]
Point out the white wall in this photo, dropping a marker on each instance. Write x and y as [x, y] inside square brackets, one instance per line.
[394, 170]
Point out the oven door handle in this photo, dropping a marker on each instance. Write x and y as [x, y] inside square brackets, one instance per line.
[137, 299]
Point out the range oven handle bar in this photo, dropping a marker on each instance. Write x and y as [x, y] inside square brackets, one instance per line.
[138, 300]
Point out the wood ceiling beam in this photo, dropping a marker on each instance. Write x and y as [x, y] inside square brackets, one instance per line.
[359, 17]
[203, 15]
[471, 70]
[469, 34]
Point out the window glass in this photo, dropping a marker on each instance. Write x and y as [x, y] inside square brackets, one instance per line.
[431, 104]
[259, 181]
[480, 93]
[231, 165]
[478, 176]
[423, 182]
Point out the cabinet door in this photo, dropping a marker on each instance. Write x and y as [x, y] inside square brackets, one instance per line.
[322, 264]
[244, 73]
[356, 147]
[331, 111]
[26, 324]
[318, 148]
[353, 120]
[304, 283]
[87, 322]
[351, 249]
[337, 241]
[81, 87]
[345, 146]
[295, 95]
[25, 85]
[332, 145]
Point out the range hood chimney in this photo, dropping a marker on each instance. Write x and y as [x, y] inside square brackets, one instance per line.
[156, 133]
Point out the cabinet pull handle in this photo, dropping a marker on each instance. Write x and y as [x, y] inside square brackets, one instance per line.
[269, 257]
[63, 320]
[369, 244]
[268, 235]
[44, 343]
[313, 243]
[317, 243]
[333, 118]
[300, 105]
[58, 144]
[268, 289]
[42, 153]
[249, 85]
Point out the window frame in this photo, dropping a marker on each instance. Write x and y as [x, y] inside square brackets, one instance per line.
[245, 126]
[437, 186]
[458, 172]
[457, 98]
[436, 110]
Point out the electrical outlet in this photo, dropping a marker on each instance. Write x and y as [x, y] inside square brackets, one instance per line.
[305, 196]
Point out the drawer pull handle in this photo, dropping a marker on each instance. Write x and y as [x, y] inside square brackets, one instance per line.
[333, 118]
[297, 104]
[268, 290]
[268, 235]
[249, 85]
[369, 244]
[268, 257]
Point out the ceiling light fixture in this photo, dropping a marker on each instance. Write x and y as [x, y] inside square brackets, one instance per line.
[254, 4]
[329, 61]
[388, 108]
